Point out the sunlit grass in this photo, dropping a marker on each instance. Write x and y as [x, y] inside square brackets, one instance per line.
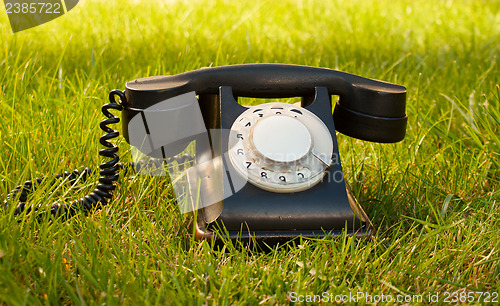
[433, 197]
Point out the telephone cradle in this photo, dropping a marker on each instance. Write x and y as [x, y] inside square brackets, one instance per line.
[270, 171]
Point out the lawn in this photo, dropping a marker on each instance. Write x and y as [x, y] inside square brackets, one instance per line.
[434, 197]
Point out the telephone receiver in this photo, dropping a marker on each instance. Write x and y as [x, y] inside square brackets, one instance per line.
[271, 171]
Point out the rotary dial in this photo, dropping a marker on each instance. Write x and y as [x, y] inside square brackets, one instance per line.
[280, 147]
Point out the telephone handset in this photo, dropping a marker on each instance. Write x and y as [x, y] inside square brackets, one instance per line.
[287, 153]
[367, 109]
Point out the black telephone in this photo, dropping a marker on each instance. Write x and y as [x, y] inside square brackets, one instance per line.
[270, 171]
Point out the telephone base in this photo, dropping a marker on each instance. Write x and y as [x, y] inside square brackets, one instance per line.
[275, 237]
[328, 208]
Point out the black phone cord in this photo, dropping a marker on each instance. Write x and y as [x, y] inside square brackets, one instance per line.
[108, 171]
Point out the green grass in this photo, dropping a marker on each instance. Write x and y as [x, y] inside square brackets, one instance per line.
[434, 197]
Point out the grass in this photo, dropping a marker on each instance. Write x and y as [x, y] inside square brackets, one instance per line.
[434, 197]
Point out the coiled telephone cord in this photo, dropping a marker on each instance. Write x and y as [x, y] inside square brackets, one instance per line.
[108, 171]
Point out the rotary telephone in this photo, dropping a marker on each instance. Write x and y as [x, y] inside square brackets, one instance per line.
[270, 171]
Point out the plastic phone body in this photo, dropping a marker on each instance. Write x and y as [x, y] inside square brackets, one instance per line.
[367, 109]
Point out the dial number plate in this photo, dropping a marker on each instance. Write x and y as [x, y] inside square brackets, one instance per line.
[280, 147]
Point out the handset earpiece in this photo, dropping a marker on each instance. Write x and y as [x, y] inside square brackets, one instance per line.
[373, 111]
